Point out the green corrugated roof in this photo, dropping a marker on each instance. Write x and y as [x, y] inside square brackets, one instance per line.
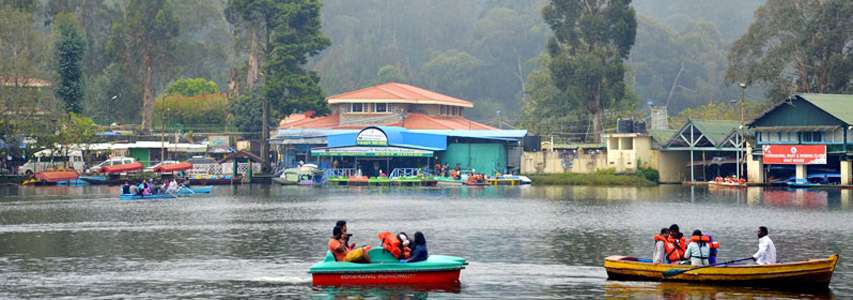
[837, 105]
[715, 130]
[662, 135]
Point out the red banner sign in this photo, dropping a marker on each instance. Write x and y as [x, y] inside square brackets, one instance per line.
[794, 154]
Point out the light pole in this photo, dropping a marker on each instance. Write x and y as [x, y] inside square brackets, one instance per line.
[163, 135]
[110, 105]
[740, 138]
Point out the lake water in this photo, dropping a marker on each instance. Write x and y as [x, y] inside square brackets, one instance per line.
[522, 242]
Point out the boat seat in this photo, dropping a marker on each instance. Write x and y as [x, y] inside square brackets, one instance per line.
[377, 255]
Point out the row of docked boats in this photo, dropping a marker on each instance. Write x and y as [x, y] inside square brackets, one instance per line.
[310, 174]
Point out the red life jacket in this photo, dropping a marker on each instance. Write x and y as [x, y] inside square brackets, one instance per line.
[674, 249]
[392, 244]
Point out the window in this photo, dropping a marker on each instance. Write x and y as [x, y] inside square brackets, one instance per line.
[357, 107]
[380, 107]
[811, 137]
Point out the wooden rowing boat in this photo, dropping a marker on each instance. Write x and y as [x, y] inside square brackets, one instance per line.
[810, 274]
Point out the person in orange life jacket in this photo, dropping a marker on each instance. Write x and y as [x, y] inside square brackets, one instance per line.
[678, 237]
[659, 256]
[419, 249]
[698, 251]
[396, 245]
[346, 253]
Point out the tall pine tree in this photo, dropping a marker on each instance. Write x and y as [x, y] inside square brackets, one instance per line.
[69, 50]
[592, 39]
[282, 35]
[152, 27]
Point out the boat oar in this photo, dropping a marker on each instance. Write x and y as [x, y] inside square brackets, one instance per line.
[673, 272]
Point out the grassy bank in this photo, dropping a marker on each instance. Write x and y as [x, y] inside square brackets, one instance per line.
[591, 179]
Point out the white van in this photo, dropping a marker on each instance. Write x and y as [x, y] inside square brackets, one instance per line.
[49, 159]
[120, 160]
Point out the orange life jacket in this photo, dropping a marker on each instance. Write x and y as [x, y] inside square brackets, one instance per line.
[674, 249]
[392, 244]
[707, 240]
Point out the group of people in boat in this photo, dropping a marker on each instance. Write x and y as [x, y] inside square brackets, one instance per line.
[153, 187]
[730, 179]
[398, 245]
[671, 247]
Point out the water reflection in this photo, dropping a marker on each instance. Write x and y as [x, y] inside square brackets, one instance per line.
[684, 291]
[522, 242]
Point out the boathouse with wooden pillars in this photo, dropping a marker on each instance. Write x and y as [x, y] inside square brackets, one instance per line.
[806, 136]
[699, 150]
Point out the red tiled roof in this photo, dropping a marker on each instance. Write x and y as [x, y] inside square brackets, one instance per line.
[393, 92]
[422, 121]
[412, 121]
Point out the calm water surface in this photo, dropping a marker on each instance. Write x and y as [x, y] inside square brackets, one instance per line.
[522, 242]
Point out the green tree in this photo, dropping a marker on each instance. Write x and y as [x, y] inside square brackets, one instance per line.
[292, 35]
[591, 41]
[69, 50]
[27, 105]
[74, 130]
[796, 46]
[152, 27]
[191, 87]
[451, 72]
[390, 73]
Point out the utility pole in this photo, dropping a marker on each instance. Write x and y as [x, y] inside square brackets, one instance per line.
[163, 135]
[740, 139]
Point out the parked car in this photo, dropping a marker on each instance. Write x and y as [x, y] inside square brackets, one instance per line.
[111, 162]
[50, 159]
[165, 162]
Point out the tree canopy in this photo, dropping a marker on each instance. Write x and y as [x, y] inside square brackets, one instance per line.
[797, 46]
[591, 41]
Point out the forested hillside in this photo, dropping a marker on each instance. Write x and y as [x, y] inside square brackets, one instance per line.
[488, 51]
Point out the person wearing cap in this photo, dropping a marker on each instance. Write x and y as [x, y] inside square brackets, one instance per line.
[766, 254]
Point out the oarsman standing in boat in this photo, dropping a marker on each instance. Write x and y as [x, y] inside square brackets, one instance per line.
[766, 250]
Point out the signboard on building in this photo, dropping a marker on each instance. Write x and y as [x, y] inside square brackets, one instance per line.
[794, 154]
[372, 152]
[371, 137]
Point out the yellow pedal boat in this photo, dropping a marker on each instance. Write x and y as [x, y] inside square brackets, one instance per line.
[810, 274]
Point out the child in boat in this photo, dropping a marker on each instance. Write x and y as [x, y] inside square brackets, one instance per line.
[419, 249]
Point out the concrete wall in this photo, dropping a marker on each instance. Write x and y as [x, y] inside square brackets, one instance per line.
[671, 165]
[563, 161]
[625, 151]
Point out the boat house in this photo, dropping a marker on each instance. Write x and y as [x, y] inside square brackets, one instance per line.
[395, 126]
[804, 137]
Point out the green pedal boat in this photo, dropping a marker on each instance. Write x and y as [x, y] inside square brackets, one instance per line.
[385, 269]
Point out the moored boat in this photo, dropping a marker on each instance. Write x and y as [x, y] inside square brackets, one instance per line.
[809, 274]
[385, 269]
[183, 192]
[308, 174]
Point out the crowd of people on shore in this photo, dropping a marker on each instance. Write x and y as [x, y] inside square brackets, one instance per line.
[671, 247]
[398, 245]
[153, 187]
